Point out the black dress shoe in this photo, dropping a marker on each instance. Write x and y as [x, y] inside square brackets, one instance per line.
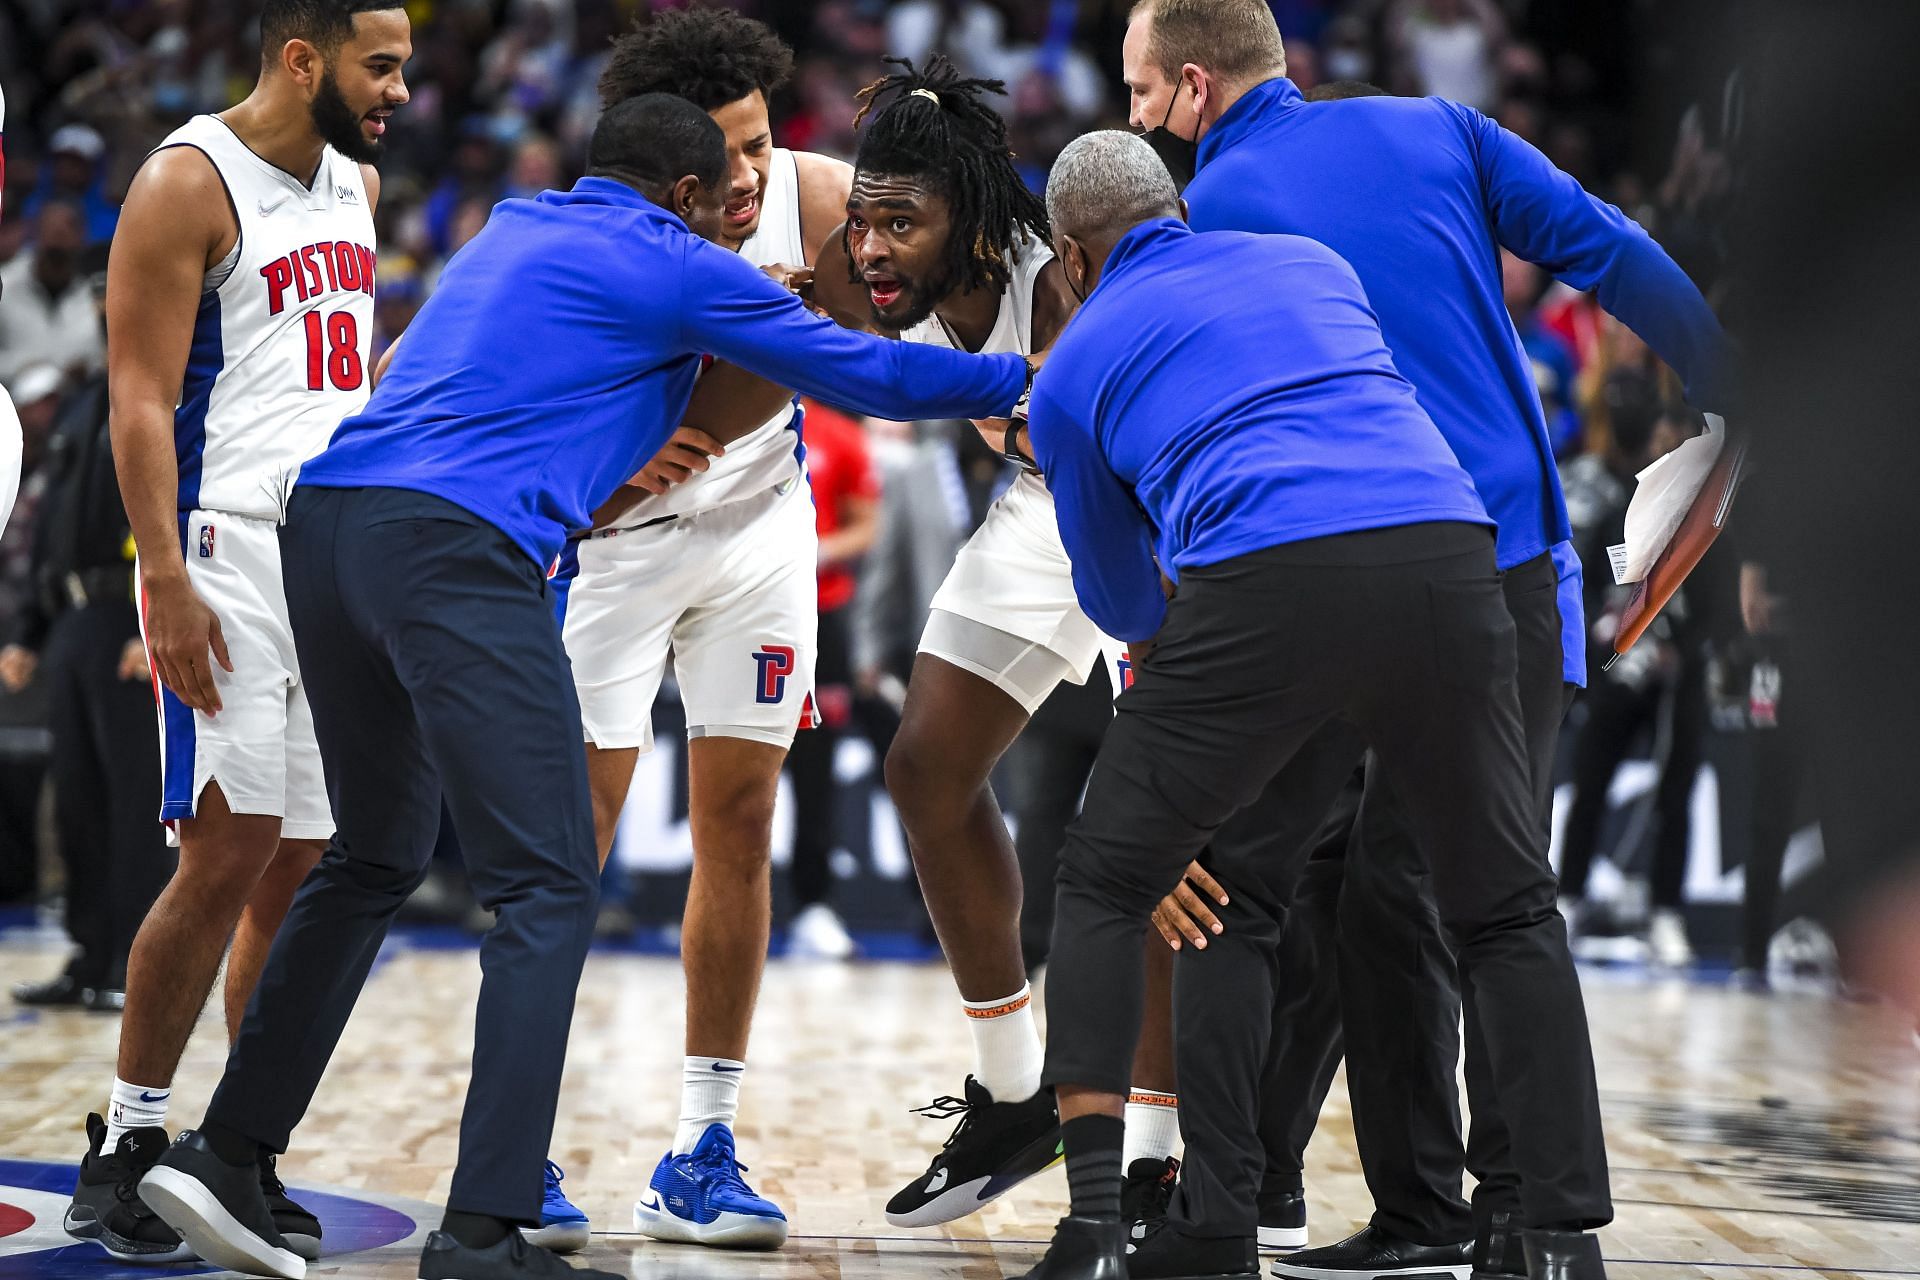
[1167, 1253]
[1564, 1255]
[63, 992]
[445, 1258]
[1497, 1249]
[1372, 1252]
[1085, 1249]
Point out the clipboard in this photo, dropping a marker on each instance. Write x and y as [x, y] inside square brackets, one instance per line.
[1705, 518]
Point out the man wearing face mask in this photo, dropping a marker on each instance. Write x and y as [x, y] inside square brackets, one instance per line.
[47, 313]
[1419, 196]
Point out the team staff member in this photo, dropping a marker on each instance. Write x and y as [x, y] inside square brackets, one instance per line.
[1333, 561]
[1419, 195]
[553, 360]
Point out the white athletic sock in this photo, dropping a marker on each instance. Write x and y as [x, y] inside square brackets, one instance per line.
[709, 1094]
[1153, 1126]
[1006, 1045]
[134, 1106]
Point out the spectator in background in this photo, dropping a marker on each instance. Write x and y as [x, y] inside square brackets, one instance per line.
[1449, 49]
[396, 300]
[47, 313]
[35, 391]
[535, 168]
[1554, 370]
[78, 635]
[1657, 690]
[76, 171]
[474, 176]
[846, 505]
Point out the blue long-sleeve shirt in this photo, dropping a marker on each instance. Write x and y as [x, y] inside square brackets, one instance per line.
[1262, 409]
[1419, 195]
[560, 349]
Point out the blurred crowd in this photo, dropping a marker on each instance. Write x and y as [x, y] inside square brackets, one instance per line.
[503, 98]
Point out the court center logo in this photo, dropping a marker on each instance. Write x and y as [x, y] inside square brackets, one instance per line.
[34, 1246]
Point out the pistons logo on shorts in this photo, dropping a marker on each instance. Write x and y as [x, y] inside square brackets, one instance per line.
[775, 662]
[1124, 665]
[206, 542]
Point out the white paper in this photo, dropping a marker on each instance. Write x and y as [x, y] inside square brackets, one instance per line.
[1666, 490]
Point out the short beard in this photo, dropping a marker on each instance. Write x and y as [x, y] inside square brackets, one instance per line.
[338, 126]
[925, 301]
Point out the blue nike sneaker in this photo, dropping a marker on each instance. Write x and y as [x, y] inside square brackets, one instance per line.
[700, 1198]
[563, 1228]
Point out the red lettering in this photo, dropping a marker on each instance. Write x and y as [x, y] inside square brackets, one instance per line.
[306, 260]
[299, 277]
[347, 263]
[326, 259]
[279, 276]
[366, 257]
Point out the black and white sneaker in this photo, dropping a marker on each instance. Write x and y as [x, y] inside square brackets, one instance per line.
[1146, 1192]
[220, 1210]
[995, 1147]
[1372, 1252]
[1167, 1253]
[1283, 1220]
[513, 1258]
[106, 1206]
[298, 1225]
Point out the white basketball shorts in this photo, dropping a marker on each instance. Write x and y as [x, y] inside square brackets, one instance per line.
[729, 593]
[260, 748]
[1007, 611]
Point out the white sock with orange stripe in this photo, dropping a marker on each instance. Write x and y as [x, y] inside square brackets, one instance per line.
[1153, 1126]
[1006, 1045]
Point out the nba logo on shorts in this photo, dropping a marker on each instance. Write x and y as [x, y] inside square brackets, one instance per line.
[206, 542]
[776, 664]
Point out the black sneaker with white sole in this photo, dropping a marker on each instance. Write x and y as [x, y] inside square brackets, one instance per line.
[513, 1258]
[220, 1210]
[1167, 1253]
[106, 1206]
[1283, 1219]
[297, 1224]
[1147, 1190]
[1371, 1252]
[995, 1147]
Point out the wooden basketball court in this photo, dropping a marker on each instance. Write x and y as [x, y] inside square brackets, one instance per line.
[1751, 1136]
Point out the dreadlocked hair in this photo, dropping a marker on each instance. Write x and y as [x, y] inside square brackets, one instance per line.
[935, 126]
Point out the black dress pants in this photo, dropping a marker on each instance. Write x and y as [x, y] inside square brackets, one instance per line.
[105, 767]
[434, 666]
[1053, 759]
[1403, 634]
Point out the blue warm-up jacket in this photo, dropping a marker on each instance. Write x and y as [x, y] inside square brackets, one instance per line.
[1261, 410]
[560, 348]
[1419, 195]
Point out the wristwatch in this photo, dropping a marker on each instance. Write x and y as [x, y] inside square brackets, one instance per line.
[1017, 422]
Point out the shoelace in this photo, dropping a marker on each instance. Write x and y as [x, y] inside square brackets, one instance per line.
[1157, 1196]
[270, 1184]
[555, 1175]
[721, 1167]
[945, 1107]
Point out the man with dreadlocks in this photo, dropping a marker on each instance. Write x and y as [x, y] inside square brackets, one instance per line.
[949, 247]
[709, 554]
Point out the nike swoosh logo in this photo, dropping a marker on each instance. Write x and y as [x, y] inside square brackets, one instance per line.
[938, 1181]
[726, 1070]
[268, 206]
[156, 1097]
[650, 1202]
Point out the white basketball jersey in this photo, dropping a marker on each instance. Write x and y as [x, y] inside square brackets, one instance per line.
[1012, 332]
[769, 454]
[280, 346]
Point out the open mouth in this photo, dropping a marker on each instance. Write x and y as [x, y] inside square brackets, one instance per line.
[884, 291]
[376, 120]
[743, 211]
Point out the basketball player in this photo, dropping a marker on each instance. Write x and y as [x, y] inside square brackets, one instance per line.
[239, 311]
[945, 245]
[710, 557]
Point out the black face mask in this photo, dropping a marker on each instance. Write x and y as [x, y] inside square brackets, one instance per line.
[1180, 155]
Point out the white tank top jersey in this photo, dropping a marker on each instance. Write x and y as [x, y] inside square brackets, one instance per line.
[280, 345]
[770, 454]
[1012, 331]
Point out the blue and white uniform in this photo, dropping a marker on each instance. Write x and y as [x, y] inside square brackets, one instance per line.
[718, 572]
[279, 357]
[1006, 611]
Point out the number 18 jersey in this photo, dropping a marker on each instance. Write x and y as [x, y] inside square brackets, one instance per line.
[280, 343]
